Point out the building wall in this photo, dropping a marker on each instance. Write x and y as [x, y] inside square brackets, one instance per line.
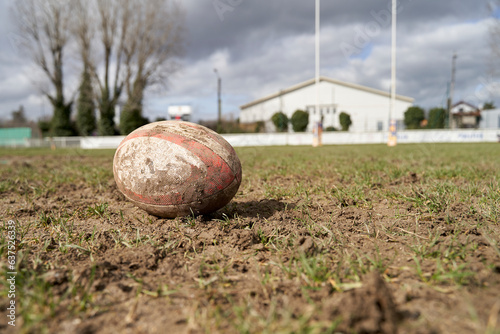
[490, 119]
[368, 111]
[14, 136]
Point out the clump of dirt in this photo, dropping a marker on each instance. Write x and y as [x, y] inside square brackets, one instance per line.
[243, 239]
[369, 309]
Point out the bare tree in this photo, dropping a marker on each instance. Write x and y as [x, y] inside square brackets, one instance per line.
[128, 46]
[43, 27]
[151, 47]
[155, 39]
[100, 31]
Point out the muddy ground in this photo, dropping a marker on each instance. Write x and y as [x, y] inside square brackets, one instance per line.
[348, 240]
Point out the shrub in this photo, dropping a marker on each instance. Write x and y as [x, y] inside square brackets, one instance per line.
[413, 117]
[436, 118]
[345, 121]
[259, 127]
[280, 121]
[300, 120]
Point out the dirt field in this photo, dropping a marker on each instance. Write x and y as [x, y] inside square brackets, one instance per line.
[349, 239]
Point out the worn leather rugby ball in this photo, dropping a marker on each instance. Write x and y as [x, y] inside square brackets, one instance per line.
[175, 168]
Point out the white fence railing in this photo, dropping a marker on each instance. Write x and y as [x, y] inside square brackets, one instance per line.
[59, 142]
[283, 139]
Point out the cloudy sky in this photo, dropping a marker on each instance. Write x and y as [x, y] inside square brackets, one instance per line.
[262, 46]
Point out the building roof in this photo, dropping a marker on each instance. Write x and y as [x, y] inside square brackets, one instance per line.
[475, 110]
[466, 103]
[334, 81]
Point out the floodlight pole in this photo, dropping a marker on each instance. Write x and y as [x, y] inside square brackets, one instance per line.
[392, 138]
[451, 91]
[317, 54]
[219, 105]
[317, 127]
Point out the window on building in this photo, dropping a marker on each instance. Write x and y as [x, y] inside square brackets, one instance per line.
[498, 121]
[380, 126]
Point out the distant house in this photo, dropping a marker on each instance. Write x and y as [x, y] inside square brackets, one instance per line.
[464, 115]
[490, 119]
[368, 107]
[180, 113]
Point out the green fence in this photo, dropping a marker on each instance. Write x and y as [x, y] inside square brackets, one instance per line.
[14, 136]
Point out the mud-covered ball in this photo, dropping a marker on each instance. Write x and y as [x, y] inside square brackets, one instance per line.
[175, 168]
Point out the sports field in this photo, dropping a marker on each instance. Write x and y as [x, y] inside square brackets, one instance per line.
[352, 239]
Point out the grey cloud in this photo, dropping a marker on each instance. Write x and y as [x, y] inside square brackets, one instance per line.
[254, 24]
[262, 46]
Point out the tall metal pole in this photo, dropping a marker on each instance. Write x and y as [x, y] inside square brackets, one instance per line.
[317, 126]
[317, 54]
[219, 83]
[452, 89]
[392, 124]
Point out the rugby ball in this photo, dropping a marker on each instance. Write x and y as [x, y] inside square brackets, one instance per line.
[175, 168]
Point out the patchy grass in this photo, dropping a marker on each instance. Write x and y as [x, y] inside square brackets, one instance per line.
[292, 253]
